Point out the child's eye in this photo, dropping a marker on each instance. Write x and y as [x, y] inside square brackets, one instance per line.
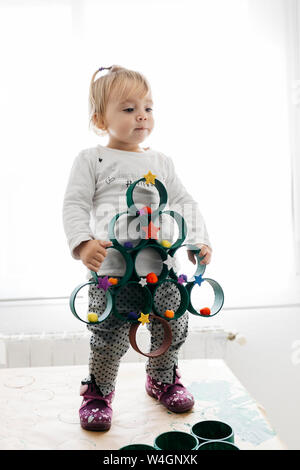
[129, 110]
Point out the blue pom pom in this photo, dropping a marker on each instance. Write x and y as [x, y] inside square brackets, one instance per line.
[132, 316]
[128, 245]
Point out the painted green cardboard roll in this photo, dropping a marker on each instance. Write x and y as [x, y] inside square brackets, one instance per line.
[148, 238]
[166, 343]
[212, 430]
[145, 307]
[160, 250]
[163, 197]
[218, 299]
[200, 268]
[184, 301]
[103, 316]
[176, 440]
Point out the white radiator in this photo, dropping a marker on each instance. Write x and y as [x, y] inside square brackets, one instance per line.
[59, 349]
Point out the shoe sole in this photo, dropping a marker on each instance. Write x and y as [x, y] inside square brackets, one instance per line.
[96, 428]
[183, 410]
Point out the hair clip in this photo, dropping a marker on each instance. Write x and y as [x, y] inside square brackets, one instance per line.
[104, 68]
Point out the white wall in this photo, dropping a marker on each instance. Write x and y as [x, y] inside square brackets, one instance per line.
[268, 364]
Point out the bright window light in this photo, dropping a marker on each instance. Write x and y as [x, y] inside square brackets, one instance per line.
[218, 75]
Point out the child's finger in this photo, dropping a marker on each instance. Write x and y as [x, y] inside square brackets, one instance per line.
[93, 267]
[101, 251]
[98, 258]
[102, 247]
[206, 259]
[191, 256]
[105, 243]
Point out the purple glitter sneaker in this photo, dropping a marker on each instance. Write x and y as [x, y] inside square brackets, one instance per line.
[95, 412]
[175, 397]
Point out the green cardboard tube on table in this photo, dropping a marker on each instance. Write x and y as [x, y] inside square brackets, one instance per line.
[212, 430]
[217, 445]
[176, 440]
[137, 447]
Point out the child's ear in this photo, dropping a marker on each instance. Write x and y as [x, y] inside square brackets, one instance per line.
[98, 121]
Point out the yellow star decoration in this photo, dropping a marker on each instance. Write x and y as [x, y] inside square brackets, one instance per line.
[150, 178]
[144, 318]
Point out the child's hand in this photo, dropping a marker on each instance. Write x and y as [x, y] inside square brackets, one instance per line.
[92, 253]
[206, 251]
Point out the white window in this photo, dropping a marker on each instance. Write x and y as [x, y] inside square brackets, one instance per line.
[293, 61]
[221, 79]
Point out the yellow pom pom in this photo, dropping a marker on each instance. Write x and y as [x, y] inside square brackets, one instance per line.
[92, 317]
[165, 243]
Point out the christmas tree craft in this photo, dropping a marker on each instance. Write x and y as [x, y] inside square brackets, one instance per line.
[143, 289]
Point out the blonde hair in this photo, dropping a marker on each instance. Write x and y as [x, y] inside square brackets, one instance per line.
[119, 82]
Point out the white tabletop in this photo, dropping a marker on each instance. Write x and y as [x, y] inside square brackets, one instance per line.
[39, 408]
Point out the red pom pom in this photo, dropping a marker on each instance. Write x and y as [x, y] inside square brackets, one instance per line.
[205, 311]
[148, 209]
[151, 278]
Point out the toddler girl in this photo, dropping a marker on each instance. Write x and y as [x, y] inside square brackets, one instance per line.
[120, 104]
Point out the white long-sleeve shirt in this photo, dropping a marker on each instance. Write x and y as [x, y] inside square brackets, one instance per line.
[96, 192]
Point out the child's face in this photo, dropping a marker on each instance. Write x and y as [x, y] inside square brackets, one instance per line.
[124, 117]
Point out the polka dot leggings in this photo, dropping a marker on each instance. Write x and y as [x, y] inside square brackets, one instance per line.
[110, 338]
